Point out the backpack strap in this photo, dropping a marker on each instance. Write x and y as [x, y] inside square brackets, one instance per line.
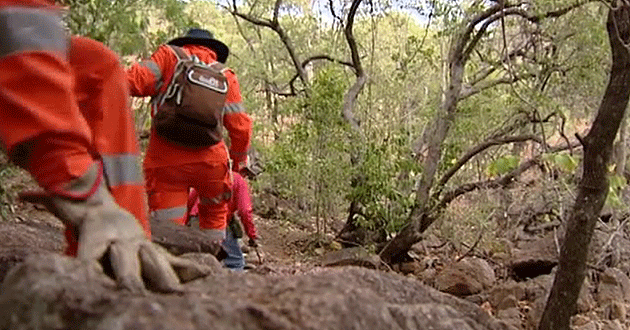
[218, 66]
[179, 53]
[170, 88]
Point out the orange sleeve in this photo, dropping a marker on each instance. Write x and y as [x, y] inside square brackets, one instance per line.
[237, 122]
[27, 3]
[147, 77]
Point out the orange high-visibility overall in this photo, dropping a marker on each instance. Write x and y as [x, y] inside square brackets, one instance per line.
[170, 169]
[65, 106]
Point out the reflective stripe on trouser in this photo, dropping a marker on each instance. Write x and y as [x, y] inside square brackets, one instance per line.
[176, 214]
[167, 188]
[212, 234]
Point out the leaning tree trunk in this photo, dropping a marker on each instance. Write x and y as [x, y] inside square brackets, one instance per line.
[420, 218]
[593, 187]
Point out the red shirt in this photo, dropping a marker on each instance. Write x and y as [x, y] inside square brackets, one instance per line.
[240, 203]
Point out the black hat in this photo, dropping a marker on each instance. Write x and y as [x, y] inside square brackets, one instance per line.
[203, 38]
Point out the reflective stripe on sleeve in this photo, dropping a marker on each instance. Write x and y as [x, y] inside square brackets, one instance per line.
[31, 29]
[233, 108]
[122, 169]
[172, 213]
[155, 69]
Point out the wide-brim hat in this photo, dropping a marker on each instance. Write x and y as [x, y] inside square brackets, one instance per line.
[203, 38]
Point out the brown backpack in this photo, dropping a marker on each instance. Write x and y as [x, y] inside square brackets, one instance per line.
[189, 113]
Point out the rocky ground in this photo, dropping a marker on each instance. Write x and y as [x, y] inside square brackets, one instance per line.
[302, 281]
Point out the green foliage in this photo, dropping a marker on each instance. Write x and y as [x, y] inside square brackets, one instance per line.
[127, 26]
[616, 184]
[309, 164]
[502, 165]
[561, 161]
[387, 180]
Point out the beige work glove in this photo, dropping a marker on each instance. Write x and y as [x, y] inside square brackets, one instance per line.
[108, 233]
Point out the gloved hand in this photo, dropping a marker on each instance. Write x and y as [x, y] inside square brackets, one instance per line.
[105, 229]
[252, 243]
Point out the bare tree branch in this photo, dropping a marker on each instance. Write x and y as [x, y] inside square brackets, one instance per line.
[503, 181]
[500, 10]
[481, 147]
[458, 50]
[276, 10]
[469, 91]
[284, 37]
[252, 19]
[273, 89]
[482, 74]
[353, 92]
[333, 12]
[554, 13]
[354, 49]
[327, 58]
[474, 246]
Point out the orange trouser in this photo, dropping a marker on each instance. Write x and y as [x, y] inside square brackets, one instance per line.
[167, 188]
[63, 107]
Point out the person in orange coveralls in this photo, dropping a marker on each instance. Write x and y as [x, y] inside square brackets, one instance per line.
[171, 169]
[65, 118]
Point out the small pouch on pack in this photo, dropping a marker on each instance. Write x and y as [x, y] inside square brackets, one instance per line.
[234, 226]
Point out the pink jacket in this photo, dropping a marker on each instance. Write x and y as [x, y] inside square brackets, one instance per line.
[240, 202]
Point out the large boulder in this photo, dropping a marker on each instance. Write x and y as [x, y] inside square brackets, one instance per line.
[354, 256]
[466, 277]
[56, 292]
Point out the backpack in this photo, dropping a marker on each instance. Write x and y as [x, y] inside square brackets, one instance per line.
[189, 113]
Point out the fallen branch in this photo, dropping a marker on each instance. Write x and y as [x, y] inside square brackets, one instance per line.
[472, 248]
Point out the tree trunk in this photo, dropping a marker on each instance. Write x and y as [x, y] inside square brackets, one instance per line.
[593, 187]
[620, 154]
[435, 135]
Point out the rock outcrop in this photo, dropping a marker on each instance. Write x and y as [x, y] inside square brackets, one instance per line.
[55, 292]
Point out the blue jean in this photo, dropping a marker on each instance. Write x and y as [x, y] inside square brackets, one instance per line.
[235, 259]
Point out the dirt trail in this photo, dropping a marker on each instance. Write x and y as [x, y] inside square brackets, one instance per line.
[28, 229]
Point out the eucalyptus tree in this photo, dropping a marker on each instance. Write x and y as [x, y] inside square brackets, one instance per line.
[516, 60]
[593, 187]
